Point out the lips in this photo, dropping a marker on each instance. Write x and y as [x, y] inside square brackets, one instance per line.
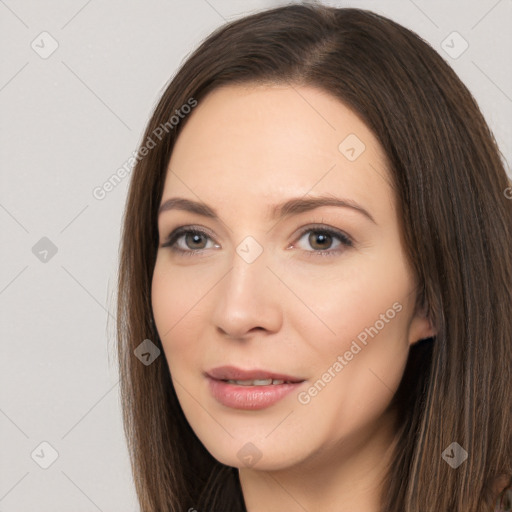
[237, 374]
[249, 389]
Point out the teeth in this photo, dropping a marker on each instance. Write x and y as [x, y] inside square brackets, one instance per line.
[256, 382]
[262, 382]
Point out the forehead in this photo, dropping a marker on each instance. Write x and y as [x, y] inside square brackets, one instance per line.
[248, 146]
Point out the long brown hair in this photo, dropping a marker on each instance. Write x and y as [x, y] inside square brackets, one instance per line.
[456, 223]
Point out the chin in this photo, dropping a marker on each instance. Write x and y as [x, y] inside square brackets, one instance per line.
[261, 455]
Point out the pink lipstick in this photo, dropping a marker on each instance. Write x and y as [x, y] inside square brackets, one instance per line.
[249, 389]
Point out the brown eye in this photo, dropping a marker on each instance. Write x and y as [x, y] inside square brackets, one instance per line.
[319, 240]
[195, 240]
[188, 241]
[322, 240]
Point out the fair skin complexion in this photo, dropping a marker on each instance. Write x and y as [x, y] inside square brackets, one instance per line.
[292, 310]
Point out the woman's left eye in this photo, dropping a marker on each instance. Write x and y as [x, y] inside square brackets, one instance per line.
[192, 240]
[321, 237]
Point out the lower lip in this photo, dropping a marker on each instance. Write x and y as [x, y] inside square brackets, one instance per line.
[249, 397]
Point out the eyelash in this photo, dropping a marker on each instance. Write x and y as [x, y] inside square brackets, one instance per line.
[184, 230]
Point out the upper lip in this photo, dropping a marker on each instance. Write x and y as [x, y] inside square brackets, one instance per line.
[234, 373]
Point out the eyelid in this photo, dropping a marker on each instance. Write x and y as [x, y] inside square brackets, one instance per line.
[325, 229]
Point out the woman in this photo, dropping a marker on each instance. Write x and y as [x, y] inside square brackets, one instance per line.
[317, 241]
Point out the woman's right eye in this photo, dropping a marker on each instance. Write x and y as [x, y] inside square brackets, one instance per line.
[187, 241]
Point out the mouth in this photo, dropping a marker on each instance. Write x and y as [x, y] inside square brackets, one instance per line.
[256, 377]
[259, 382]
[249, 389]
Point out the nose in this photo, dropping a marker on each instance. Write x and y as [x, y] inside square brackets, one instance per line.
[249, 299]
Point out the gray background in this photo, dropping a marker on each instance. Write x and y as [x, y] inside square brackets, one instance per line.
[68, 122]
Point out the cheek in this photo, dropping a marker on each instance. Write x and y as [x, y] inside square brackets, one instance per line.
[357, 339]
[356, 303]
[179, 297]
[165, 293]
[356, 372]
[175, 293]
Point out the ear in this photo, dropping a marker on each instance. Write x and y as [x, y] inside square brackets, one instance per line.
[421, 326]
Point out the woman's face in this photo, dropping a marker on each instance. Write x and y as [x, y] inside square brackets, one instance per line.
[319, 295]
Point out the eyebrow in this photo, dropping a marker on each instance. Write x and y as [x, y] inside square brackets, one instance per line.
[290, 207]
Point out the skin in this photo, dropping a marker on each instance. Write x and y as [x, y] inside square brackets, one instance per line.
[292, 310]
